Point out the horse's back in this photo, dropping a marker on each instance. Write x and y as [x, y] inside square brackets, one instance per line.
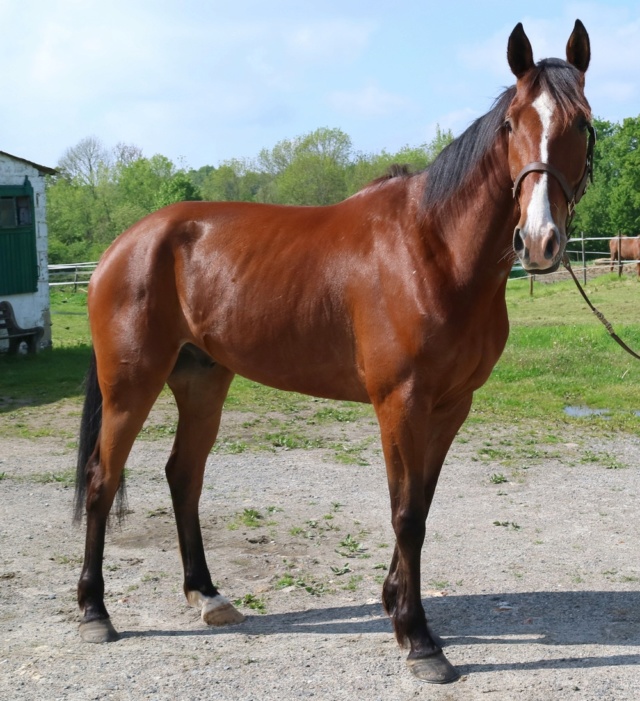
[263, 289]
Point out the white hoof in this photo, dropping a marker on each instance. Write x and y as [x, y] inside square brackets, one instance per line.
[215, 610]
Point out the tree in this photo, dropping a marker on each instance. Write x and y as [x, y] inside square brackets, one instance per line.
[235, 180]
[84, 162]
[625, 195]
[309, 170]
[369, 167]
[178, 188]
[612, 203]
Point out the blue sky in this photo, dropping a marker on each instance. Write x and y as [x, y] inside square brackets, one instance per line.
[202, 82]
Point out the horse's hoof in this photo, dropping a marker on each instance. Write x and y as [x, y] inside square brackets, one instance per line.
[215, 610]
[99, 630]
[435, 669]
[223, 615]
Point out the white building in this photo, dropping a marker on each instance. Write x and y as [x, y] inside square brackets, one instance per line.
[24, 279]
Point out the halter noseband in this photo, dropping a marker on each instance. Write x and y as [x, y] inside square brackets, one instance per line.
[572, 196]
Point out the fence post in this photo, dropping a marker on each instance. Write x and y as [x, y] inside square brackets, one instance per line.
[619, 254]
[584, 263]
[531, 278]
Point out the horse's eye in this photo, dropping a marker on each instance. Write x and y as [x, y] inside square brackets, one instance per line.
[508, 126]
[583, 124]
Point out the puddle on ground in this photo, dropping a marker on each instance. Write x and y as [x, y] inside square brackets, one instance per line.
[583, 411]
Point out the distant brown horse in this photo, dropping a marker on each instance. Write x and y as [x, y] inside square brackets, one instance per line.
[395, 296]
[629, 249]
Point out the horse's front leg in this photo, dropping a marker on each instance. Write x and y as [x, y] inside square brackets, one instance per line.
[415, 440]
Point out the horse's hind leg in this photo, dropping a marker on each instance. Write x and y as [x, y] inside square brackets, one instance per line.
[124, 410]
[200, 387]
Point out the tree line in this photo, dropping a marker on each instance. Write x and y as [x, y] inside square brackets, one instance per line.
[100, 192]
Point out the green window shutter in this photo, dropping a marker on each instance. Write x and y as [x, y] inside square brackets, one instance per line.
[18, 254]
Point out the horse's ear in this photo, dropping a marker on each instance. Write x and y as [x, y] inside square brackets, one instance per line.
[579, 48]
[519, 52]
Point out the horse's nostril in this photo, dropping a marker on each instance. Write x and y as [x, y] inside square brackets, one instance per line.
[552, 245]
[518, 241]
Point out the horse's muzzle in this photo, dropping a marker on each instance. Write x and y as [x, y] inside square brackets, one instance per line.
[541, 253]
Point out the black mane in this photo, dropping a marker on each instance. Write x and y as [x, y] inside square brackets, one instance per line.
[461, 157]
[451, 168]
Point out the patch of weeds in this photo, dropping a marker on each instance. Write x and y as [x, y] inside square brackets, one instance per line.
[439, 583]
[351, 453]
[287, 580]
[230, 447]
[339, 571]
[66, 560]
[313, 587]
[353, 582]
[3, 475]
[335, 413]
[251, 518]
[381, 566]
[292, 441]
[498, 478]
[487, 453]
[612, 463]
[161, 511]
[314, 529]
[609, 461]
[514, 526]
[67, 477]
[153, 577]
[252, 602]
[350, 547]
[153, 431]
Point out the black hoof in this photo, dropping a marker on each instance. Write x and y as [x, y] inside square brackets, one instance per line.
[99, 630]
[435, 669]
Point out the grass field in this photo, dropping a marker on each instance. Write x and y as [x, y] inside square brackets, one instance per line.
[558, 356]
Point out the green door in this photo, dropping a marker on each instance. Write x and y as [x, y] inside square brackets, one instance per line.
[18, 255]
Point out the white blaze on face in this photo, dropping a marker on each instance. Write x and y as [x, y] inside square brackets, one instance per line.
[539, 217]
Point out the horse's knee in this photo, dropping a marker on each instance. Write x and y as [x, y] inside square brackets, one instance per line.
[409, 527]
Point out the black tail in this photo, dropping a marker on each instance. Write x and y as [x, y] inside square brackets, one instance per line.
[90, 425]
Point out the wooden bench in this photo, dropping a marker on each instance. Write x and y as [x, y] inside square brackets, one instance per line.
[16, 334]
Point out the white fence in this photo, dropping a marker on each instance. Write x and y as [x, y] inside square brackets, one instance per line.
[580, 259]
[71, 274]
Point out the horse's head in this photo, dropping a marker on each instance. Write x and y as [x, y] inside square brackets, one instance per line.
[550, 146]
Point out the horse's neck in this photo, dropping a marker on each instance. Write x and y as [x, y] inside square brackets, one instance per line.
[478, 225]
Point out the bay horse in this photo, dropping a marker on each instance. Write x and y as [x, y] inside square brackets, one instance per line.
[395, 296]
[625, 248]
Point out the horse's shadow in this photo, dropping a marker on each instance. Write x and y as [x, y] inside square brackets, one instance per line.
[550, 618]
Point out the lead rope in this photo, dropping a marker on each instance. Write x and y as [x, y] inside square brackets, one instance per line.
[607, 325]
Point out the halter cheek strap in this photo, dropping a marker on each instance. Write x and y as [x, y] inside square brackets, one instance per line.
[572, 196]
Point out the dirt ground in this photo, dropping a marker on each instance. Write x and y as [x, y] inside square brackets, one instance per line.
[531, 575]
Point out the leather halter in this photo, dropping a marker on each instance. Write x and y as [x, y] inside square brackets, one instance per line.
[572, 196]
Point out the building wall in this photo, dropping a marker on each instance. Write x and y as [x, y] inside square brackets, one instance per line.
[31, 309]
